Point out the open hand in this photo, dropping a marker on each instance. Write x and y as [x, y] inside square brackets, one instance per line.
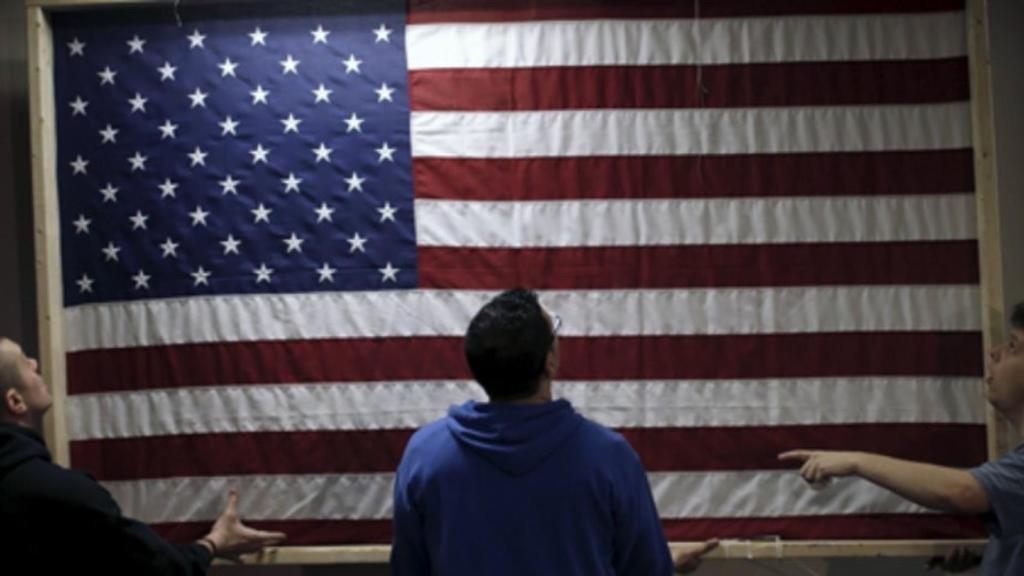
[233, 538]
[688, 559]
[958, 559]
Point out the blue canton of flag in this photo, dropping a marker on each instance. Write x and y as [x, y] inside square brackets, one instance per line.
[241, 154]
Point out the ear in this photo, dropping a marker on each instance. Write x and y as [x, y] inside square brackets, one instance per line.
[551, 363]
[13, 402]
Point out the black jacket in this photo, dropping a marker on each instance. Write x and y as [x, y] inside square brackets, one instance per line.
[52, 519]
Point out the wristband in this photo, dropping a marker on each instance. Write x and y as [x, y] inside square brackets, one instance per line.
[209, 542]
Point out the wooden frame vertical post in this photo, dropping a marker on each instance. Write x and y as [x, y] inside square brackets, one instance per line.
[1000, 432]
[49, 286]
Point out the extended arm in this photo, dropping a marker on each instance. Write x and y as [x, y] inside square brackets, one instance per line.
[932, 486]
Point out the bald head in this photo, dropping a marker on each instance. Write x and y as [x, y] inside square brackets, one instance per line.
[24, 395]
[9, 352]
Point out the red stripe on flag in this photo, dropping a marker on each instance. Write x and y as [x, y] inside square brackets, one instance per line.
[907, 263]
[849, 527]
[440, 11]
[767, 175]
[369, 451]
[724, 86]
[607, 358]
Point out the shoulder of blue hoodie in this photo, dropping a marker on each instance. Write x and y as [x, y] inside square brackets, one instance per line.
[515, 441]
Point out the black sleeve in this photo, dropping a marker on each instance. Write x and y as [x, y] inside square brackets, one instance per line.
[72, 509]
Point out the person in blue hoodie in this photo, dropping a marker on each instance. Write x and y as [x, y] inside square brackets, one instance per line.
[523, 484]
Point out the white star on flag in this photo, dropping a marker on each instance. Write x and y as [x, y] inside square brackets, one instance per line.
[167, 71]
[259, 154]
[198, 98]
[320, 35]
[229, 186]
[168, 130]
[168, 188]
[326, 273]
[289, 65]
[293, 243]
[352, 64]
[228, 126]
[227, 68]
[198, 216]
[195, 40]
[136, 45]
[76, 47]
[387, 212]
[389, 273]
[141, 280]
[110, 252]
[139, 220]
[261, 214]
[230, 245]
[82, 224]
[198, 157]
[138, 103]
[200, 276]
[138, 161]
[354, 123]
[258, 37]
[78, 106]
[169, 248]
[323, 153]
[383, 34]
[109, 134]
[322, 94]
[385, 152]
[384, 93]
[356, 243]
[291, 183]
[84, 283]
[109, 193]
[106, 76]
[324, 212]
[263, 273]
[79, 165]
[259, 95]
[291, 124]
[355, 182]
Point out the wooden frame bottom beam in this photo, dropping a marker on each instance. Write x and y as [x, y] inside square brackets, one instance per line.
[728, 549]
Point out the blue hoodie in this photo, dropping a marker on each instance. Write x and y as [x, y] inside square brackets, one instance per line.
[497, 489]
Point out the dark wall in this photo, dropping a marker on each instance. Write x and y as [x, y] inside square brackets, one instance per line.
[17, 276]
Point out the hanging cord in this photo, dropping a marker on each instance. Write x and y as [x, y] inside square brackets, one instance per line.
[177, 15]
[701, 89]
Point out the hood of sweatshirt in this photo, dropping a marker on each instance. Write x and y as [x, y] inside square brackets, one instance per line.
[516, 438]
[17, 445]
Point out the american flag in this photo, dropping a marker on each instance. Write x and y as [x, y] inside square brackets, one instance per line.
[755, 218]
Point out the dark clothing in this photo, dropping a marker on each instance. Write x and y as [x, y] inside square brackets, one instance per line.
[496, 490]
[52, 518]
[1003, 481]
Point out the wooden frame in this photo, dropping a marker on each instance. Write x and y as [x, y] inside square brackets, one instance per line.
[52, 329]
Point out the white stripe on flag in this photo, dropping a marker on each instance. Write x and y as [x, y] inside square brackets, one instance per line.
[585, 313]
[692, 131]
[695, 221]
[368, 496]
[619, 404]
[691, 41]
